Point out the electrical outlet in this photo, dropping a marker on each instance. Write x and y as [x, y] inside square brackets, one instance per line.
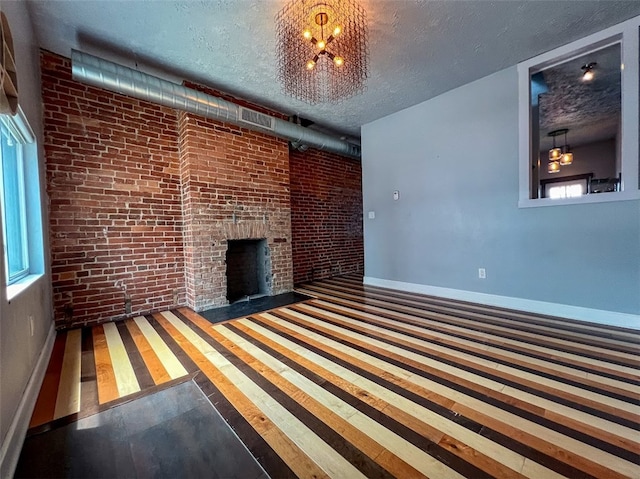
[31, 325]
[372, 215]
[482, 273]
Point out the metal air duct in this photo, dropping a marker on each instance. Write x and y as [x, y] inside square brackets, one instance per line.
[118, 78]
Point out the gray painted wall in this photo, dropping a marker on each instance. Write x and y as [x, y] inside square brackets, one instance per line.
[454, 160]
[19, 350]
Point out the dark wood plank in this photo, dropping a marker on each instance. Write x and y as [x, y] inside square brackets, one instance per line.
[46, 403]
[88, 379]
[139, 367]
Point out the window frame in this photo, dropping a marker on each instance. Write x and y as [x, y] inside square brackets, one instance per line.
[550, 182]
[22, 133]
[628, 34]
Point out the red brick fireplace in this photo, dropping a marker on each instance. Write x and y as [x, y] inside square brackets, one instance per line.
[235, 187]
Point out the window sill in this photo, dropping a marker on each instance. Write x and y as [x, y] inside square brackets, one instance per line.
[586, 199]
[15, 289]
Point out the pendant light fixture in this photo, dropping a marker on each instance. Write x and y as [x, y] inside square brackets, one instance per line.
[553, 167]
[567, 156]
[587, 71]
[559, 156]
[555, 154]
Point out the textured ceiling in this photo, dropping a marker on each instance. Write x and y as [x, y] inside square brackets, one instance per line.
[591, 111]
[418, 48]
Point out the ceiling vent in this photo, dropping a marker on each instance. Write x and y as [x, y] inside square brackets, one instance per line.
[255, 118]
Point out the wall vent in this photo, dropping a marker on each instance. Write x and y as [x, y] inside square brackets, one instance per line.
[257, 119]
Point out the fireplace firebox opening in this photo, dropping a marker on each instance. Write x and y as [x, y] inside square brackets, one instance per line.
[248, 269]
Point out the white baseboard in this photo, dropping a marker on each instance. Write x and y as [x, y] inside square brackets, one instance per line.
[610, 318]
[12, 444]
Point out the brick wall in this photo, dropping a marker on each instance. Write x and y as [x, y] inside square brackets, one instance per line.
[113, 182]
[326, 215]
[235, 186]
[144, 198]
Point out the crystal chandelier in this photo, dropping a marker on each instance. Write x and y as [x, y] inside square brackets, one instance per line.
[322, 49]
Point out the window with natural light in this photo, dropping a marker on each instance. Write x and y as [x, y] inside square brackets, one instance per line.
[566, 191]
[17, 153]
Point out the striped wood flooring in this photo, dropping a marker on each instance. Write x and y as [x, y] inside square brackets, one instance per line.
[368, 382]
[90, 368]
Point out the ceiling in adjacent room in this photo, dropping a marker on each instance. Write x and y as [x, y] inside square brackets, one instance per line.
[418, 48]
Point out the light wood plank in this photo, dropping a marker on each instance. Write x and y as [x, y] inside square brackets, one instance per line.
[171, 363]
[125, 376]
[68, 397]
[105, 376]
[151, 360]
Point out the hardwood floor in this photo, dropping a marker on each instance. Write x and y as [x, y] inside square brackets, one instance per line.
[368, 382]
[173, 433]
[90, 368]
